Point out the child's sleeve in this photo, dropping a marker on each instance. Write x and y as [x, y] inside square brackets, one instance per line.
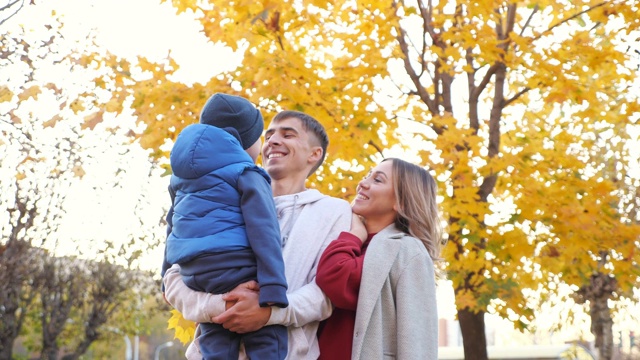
[263, 231]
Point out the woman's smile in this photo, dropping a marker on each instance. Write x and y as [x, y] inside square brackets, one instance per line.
[376, 200]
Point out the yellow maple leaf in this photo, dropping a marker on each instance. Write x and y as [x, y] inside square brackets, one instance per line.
[184, 329]
[52, 122]
[77, 106]
[90, 121]
[78, 171]
[5, 94]
[31, 92]
[113, 106]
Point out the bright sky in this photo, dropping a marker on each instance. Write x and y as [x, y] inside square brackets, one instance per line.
[143, 27]
[95, 206]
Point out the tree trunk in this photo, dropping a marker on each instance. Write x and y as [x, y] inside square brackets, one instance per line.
[49, 352]
[7, 333]
[18, 283]
[6, 348]
[474, 338]
[601, 322]
[597, 293]
[72, 356]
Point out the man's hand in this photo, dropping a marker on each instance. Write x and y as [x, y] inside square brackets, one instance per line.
[243, 313]
[249, 285]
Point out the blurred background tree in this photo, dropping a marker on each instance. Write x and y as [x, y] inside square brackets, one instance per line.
[58, 294]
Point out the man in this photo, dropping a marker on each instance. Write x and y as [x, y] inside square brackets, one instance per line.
[295, 146]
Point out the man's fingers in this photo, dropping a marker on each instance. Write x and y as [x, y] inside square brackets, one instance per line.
[222, 317]
[251, 285]
[231, 297]
[227, 322]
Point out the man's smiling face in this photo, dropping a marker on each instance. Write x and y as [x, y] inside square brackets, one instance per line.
[287, 148]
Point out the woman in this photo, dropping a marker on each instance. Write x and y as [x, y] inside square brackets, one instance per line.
[385, 302]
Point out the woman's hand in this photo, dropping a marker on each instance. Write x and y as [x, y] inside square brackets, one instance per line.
[357, 227]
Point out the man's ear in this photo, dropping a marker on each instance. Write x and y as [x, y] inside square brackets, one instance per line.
[316, 155]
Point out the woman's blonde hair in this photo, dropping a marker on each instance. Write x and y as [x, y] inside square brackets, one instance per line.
[416, 190]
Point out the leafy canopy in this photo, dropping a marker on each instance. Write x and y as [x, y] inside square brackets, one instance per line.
[514, 102]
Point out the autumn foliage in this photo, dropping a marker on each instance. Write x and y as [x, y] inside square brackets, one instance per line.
[524, 112]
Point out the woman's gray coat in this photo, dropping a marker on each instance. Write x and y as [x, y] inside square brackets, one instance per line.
[396, 315]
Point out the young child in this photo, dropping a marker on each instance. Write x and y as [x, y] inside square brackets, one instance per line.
[222, 225]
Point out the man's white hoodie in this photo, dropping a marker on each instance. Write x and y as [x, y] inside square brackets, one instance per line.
[309, 221]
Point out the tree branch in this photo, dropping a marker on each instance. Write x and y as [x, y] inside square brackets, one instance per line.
[511, 21]
[8, 6]
[515, 97]
[569, 19]
[422, 92]
[378, 148]
[485, 81]
[474, 122]
[526, 24]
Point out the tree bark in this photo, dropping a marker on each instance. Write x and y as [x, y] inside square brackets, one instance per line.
[602, 286]
[474, 337]
[18, 283]
[602, 327]
[50, 353]
[597, 293]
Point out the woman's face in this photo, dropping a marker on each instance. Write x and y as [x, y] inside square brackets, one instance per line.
[375, 200]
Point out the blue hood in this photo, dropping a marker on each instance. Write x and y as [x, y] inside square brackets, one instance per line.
[201, 148]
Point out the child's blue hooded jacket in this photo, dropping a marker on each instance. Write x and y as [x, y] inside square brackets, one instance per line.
[222, 202]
